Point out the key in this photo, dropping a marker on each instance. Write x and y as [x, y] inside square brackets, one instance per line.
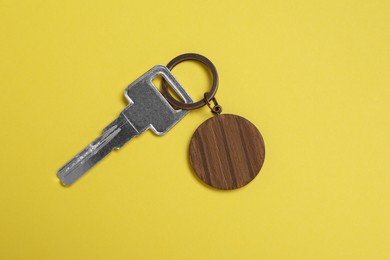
[147, 109]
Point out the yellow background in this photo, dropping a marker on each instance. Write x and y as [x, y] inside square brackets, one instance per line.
[313, 76]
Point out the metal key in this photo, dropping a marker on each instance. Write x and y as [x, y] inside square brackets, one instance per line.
[147, 109]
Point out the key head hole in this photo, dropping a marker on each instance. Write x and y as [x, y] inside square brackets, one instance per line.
[157, 82]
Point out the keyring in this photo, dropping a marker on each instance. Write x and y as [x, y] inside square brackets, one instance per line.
[209, 96]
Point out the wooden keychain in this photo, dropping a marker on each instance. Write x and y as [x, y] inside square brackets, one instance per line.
[226, 151]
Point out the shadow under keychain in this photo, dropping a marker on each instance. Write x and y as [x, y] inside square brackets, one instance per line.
[226, 151]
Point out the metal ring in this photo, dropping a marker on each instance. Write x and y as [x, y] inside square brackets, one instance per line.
[211, 93]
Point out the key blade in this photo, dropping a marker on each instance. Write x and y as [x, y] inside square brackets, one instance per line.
[114, 136]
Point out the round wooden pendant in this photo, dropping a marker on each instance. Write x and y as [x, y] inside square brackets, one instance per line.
[227, 151]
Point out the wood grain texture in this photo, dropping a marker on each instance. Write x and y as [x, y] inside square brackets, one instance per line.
[227, 151]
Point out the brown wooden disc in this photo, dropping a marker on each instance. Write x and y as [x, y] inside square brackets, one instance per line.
[227, 151]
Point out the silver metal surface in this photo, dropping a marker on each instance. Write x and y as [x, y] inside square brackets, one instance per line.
[147, 109]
